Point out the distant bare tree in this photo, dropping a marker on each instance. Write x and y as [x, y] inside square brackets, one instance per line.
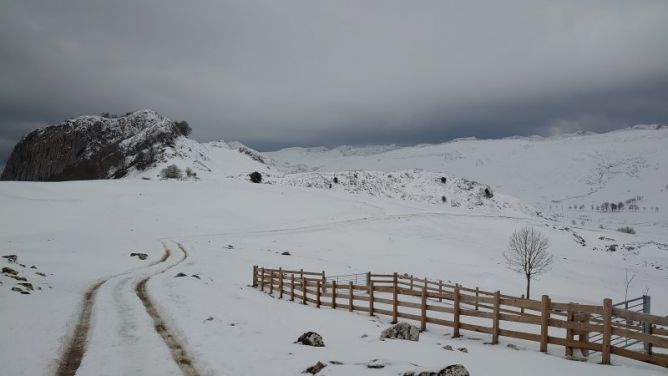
[527, 254]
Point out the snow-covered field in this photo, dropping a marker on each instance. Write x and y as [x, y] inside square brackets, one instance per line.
[79, 234]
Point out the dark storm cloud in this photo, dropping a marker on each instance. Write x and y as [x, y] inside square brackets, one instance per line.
[276, 74]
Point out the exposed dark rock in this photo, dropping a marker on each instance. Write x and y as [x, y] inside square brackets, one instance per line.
[463, 349]
[27, 285]
[41, 274]
[17, 289]
[315, 368]
[448, 347]
[180, 275]
[10, 271]
[286, 253]
[141, 256]
[91, 147]
[376, 364]
[453, 370]
[401, 330]
[311, 339]
[196, 276]
[488, 192]
[10, 258]
[335, 362]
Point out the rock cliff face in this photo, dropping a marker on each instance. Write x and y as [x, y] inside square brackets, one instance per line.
[91, 147]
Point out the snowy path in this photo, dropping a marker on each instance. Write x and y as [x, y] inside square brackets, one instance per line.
[121, 332]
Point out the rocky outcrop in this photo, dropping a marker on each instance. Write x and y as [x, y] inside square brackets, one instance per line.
[91, 147]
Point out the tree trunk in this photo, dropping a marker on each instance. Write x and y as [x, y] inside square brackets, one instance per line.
[528, 286]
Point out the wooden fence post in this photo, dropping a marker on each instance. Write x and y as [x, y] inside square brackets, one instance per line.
[395, 298]
[411, 282]
[455, 319]
[350, 296]
[292, 287]
[570, 318]
[522, 308]
[368, 278]
[333, 294]
[607, 331]
[497, 314]
[423, 323]
[262, 280]
[646, 326]
[371, 298]
[317, 294]
[280, 283]
[477, 293]
[324, 282]
[254, 275]
[271, 282]
[440, 290]
[303, 290]
[544, 322]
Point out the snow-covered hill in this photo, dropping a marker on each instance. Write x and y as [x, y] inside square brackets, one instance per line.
[563, 176]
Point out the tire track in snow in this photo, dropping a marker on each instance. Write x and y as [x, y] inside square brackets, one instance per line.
[179, 354]
[76, 347]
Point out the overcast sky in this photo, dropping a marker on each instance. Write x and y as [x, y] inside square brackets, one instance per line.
[285, 73]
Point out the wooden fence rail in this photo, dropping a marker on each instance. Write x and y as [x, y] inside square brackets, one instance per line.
[434, 302]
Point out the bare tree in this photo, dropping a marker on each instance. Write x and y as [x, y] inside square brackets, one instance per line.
[527, 254]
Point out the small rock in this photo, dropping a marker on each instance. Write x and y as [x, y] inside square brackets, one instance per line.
[180, 275]
[33, 267]
[40, 273]
[376, 364]
[141, 256]
[286, 253]
[364, 335]
[448, 347]
[210, 318]
[10, 258]
[311, 339]
[17, 289]
[463, 349]
[195, 276]
[315, 368]
[17, 277]
[512, 346]
[25, 292]
[230, 246]
[453, 370]
[401, 330]
[335, 362]
[22, 265]
[27, 285]
[9, 271]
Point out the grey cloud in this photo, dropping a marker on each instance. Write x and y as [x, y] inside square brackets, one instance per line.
[276, 74]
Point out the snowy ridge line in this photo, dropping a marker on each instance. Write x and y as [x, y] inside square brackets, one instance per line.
[76, 347]
[177, 350]
[456, 301]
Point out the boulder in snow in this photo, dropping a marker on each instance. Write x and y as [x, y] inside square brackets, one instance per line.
[311, 339]
[453, 370]
[401, 330]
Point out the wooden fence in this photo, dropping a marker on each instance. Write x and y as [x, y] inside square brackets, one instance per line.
[460, 308]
